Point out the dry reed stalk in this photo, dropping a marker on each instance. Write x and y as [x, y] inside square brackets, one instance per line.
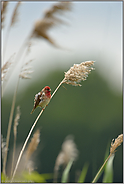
[26, 70]
[58, 8]
[12, 112]
[41, 28]
[16, 120]
[3, 11]
[6, 67]
[49, 20]
[12, 22]
[46, 26]
[9, 127]
[3, 147]
[33, 144]
[62, 6]
[65, 80]
[29, 47]
[29, 165]
[22, 150]
[15, 14]
[24, 76]
[114, 146]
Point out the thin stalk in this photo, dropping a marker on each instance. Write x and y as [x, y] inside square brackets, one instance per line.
[97, 175]
[5, 43]
[10, 123]
[17, 59]
[23, 148]
[9, 127]
[13, 157]
[14, 14]
[58, 87]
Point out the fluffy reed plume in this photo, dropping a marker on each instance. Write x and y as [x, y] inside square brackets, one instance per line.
[25, 71]
[15, 14]
[68, 152]
[6, 67]
[16, 120]
[33, 144]
[27, 161]
[114, 145]
[30, 150]
[78, 72]
[40, 29]
[62, 6]
[29, 44]
[42, 26]
[58, 8]
[3, 11]
[3, 146]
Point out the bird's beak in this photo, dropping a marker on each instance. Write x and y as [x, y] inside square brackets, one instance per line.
[49, 89]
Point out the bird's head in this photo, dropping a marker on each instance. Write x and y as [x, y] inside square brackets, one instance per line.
[47, 89]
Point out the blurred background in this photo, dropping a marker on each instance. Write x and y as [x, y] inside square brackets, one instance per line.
[91, 113]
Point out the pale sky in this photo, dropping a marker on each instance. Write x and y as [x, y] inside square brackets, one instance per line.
[93, 32]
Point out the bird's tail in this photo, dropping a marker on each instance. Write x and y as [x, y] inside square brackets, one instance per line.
[32, 110]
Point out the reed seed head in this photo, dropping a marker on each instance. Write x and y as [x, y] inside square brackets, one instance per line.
[15, 14]
[62, 6]
[41, 29]
[78, 73]
[69, 148]
[3, 11]
[116, 143]
[16, 120]
[26, 69]
[6, 67]
[68, 152]
[49, 20]
[3, 147]
[33, 144]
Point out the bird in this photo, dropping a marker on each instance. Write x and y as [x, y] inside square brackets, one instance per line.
[42, 98]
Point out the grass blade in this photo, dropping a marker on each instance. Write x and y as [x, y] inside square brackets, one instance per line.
[83, 173]
[108, 176]
[66, 172]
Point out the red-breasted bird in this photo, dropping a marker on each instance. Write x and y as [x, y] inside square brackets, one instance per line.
[42, 98]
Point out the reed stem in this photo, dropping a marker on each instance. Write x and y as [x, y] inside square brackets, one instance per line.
[97, 175]
[23, 148]
[9, 127]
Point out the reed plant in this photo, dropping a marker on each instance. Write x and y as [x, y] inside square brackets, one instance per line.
[74, 76]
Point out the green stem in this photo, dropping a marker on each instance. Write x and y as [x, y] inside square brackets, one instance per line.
[66, 172]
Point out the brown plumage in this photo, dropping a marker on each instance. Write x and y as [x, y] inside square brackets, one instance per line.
[42, 98]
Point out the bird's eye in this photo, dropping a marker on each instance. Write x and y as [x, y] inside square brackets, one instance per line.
[47, 89]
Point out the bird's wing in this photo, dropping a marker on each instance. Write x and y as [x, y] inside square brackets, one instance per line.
[37, 99]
